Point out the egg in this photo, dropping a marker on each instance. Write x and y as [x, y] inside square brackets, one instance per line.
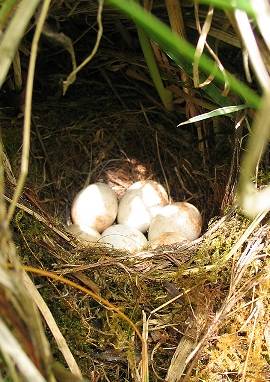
[84, 235]
[123, 237]
[95, 207]
[181, 217]
[167, 238]
[141, 203]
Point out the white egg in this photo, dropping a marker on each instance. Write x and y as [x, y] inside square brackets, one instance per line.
[85, 235]
[140, 204]
[167, 238]
[181, 217]
[95, 207]
[123, 237]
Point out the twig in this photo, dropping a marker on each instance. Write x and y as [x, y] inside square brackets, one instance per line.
[71, 76]
[102, 301]
[144, 362]
[28, 108]
[40, 219]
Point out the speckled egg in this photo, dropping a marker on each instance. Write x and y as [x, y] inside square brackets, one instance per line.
[84, 235]
[181, 217]
[123, 237]
[95, 207]
[167, 238]
[141, 203]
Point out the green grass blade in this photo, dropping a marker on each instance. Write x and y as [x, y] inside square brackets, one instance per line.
[14, 33]
[214, 113]
[164, 94]
[179, 49]
[253, 201]
[231, 5]
[5, 11]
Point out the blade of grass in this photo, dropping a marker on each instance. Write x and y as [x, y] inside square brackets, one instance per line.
[180, 50]
[215, 113]
[262, 18]
[231, 5]
[28, 108]
[10, 345]
[204, 32]
[17, 71]
[14, 33]
[5, 11]
[164, 94]
[48, 317]
[201, 44]
[174, 11]
[251, 200]
[254, 54]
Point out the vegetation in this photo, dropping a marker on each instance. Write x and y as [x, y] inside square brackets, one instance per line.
[176, 91]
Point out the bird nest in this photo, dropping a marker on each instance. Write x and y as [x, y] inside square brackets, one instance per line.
[191, 304]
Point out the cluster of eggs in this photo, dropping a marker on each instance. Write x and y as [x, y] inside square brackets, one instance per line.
[143, 208]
